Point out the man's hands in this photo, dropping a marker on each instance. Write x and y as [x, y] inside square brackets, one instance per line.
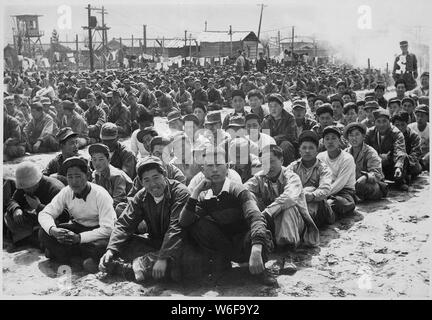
[398, 173]
[18, 216]
[309, 196]
[204, 185]
[159, 268]
[105, 260]
[65, 236]
[256, 264]
[33, 202]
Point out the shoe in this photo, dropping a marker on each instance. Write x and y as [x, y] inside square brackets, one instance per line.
[288, 268]
[90, 266]
[48, 254]
[267, 279]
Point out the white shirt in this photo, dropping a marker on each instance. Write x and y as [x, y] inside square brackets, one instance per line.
[424, 136]
[97, 210]
[264, 141]
[343, 169]
[137, 146]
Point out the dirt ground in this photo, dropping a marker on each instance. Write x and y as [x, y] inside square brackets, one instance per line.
[380, 252]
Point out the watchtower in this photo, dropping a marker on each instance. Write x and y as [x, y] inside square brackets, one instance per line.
[27, 36]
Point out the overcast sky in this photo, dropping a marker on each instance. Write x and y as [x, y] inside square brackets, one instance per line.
[333, 20]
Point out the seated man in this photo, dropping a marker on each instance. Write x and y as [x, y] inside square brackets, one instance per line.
[119, 115]
[350, 113]
[175, 123]
[412, 145]
[256, 99]
[282, 127]
[279, 194]
[369, 108]
[159, 205]
[120, 155]
[92, 219]
[343, 169]
[145, 120]
[68, 141]
[34, 192]
[394, 106]
[159, 147]
[316, 179]
[13, 144]
[302, 122]
[243, 157]
[95, 117]
[254, 134]
[222, 219]
[408, 105]
[389, 142]
[421, 127]
[76, 122]
[40, 131]
[238, 103]
[214, 132]
[370, 183]
[325, 118]
[113, 180]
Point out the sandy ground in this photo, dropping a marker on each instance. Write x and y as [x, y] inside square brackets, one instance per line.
[380, 252]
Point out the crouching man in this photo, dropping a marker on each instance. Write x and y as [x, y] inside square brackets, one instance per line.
[92, 219]
[342, 167]
[370, 183]
[223, 220]
[158, 204]
[279, 193]
[316, 179]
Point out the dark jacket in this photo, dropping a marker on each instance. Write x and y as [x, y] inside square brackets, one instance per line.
[124, 159]
[283, 129]
[11, 129]
[46, 191]
[393, 143]
[163, 224]
[200, 95]
[412, 144]
[235, 211]
[120, 115]
[95, 117]
[228, 117]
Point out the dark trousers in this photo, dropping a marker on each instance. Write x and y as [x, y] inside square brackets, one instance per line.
[209, 236]
[64, 252]
[371, 190]
[342, 203]
[389, 170]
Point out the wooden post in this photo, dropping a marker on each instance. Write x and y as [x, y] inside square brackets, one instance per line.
[369, 74]
[77, 52]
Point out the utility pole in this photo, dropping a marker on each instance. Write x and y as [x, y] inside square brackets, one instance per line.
[259, 27]
[205, 28]
[292, 41]
[279, 41]
[145, 37]
[230, 33]
[90, 44]
[185, 50]
[132, 42]
[77, 52]
[190, 48]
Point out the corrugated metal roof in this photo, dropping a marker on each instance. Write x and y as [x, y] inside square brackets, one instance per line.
[176, 43]
[221, 37]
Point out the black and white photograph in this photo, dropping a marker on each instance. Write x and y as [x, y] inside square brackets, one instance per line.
[185, 149]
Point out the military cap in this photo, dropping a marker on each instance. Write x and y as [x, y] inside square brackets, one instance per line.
[403, 43]
[354, 125]
[324, 108]
[299, 103]
[174, 115]
[99, 148]
[400, 116]
[331, 129]
[371, 105]
[381, 113]
[149, 162]
[109, 131]
[251, 116]
[236, 121]
[422, 108]
[65, 133]
[308, 135]
[79, 162]
[36, 105]
[276, 97]
[408, 99]
[191, 117]
[68, 105]
[146, 131]
[394, 100]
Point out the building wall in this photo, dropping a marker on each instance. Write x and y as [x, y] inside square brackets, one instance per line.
[219, 49]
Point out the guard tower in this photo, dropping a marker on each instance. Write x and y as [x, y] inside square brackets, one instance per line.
[27, 36]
